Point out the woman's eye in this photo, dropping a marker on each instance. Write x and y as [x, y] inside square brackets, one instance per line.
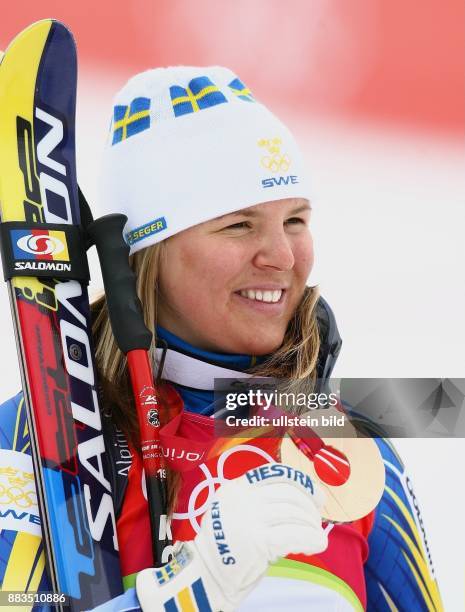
[295, 220]
[241, 225]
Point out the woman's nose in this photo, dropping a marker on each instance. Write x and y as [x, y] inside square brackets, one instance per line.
[275, 251]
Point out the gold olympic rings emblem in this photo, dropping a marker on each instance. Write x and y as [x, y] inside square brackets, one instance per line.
[276, 162]
[17, 495]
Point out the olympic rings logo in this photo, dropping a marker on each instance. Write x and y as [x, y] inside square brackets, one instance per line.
[18, 496]
[275, 161]
[211, 483]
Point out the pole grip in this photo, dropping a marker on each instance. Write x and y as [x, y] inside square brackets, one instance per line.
[124, 307]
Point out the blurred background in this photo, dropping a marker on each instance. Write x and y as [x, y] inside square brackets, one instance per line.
[374, 90]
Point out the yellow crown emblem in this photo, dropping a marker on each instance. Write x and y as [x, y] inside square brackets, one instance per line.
[276, 161]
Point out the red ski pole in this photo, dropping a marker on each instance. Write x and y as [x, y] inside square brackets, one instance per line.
[134, 340]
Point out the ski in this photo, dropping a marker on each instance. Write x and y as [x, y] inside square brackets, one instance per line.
[45, 264]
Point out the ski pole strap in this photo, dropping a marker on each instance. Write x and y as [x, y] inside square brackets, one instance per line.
[43, 250]
[119, 280]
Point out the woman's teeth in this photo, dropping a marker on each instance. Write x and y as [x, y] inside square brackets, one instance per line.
[262, 296]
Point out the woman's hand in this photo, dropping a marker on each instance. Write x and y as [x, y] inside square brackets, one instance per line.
[269, 512]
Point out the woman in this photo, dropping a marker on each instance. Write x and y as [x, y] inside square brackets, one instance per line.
[218, 209]
[241, 269]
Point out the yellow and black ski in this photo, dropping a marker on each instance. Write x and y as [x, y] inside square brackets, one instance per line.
[45, 264]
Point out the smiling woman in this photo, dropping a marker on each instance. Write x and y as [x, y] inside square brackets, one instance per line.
[232, 289]
[218, 212]
[232, 286]
[218, 207]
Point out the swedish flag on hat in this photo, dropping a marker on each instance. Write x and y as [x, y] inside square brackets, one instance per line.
[200, 93]
[189, 144]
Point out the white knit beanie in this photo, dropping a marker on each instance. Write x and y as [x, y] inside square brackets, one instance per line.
[189, 144]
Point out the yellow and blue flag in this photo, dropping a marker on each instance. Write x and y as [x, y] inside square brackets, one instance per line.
[199, 94]
[240, 90]
[190, 599]
[130, 119]
[167, 572]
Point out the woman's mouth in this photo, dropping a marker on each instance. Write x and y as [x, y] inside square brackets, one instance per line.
[260, 295]
[262, 300]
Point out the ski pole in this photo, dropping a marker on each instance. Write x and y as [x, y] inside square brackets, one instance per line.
[134, 340]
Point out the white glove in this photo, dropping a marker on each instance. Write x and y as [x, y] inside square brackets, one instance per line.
[267, 513]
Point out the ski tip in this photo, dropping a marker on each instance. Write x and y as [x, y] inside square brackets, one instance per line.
[42, 29]
[48, 22]
[39, 29]
[55, 24]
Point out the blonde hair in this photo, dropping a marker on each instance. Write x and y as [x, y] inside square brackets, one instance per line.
[296, 359]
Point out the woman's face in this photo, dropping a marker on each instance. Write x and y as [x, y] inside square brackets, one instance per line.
[232, 284]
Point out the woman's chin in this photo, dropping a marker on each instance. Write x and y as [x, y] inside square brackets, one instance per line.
[242, 341]
[260, 346]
